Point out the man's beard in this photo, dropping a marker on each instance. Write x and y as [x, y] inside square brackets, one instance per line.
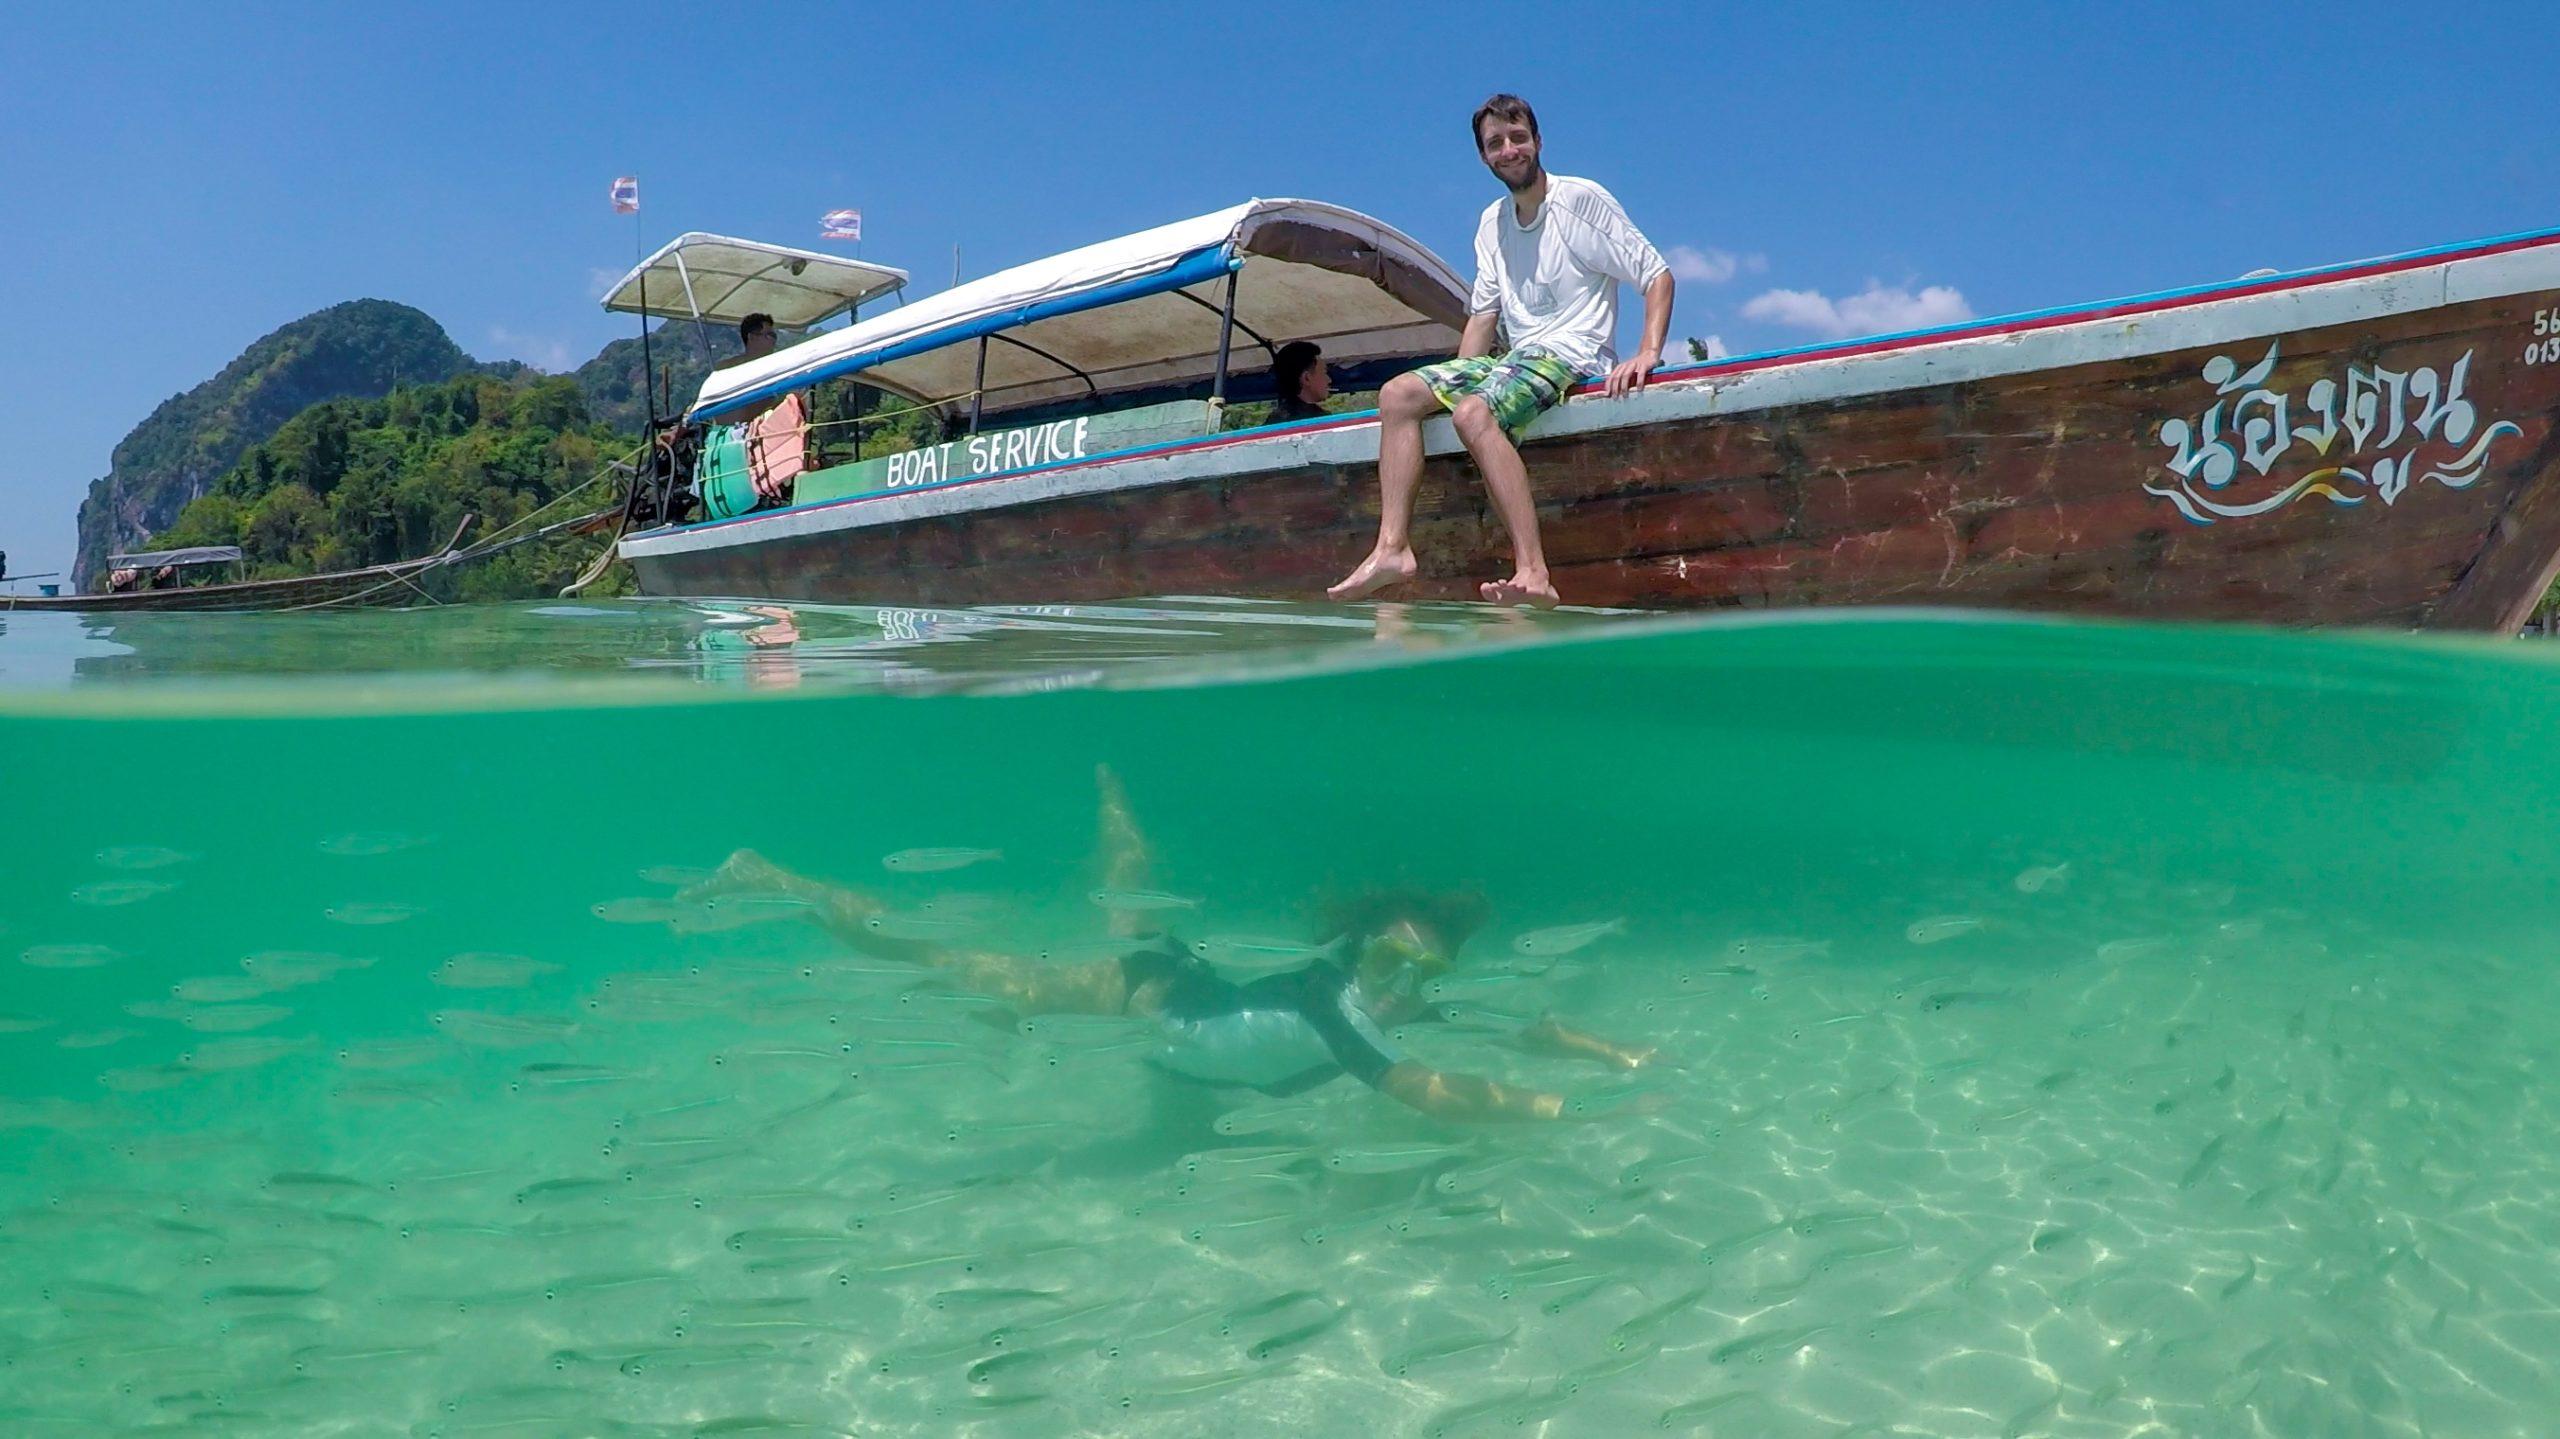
[1537, 172]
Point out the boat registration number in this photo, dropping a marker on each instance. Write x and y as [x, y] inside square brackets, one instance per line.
[2544, 348]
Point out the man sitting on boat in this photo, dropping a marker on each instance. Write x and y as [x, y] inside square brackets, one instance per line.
[777, 429]
[1300, 384]
[1549, 258]
[756, 335]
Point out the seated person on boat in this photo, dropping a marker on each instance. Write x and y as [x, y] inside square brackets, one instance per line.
[1300, 383]
[777, 429]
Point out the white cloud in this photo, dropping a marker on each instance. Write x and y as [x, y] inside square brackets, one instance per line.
[1710, 266]
[600, 283]
[542, 354]
[1879, 309]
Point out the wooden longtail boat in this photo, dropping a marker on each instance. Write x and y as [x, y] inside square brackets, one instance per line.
[389, 584]
[2366, 443]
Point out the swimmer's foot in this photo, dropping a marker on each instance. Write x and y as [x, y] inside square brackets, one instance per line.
[1124, 848]
[1528, 587]
[1384, 567]
[743, 872]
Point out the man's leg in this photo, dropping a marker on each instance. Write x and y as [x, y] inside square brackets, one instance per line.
[1506, 479]
[1403, 404]
[1126, 864]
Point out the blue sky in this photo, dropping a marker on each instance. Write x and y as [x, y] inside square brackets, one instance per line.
[183, 179]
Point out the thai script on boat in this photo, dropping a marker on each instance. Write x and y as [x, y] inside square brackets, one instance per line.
[987, 454]
[2380, 432]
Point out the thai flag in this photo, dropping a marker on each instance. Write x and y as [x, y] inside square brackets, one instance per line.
[626, 195]
[840, 225]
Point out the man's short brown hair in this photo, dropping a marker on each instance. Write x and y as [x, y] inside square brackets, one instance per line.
[1504, 107]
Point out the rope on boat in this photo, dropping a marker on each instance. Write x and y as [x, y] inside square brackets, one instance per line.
[484, 548]
[604, 561]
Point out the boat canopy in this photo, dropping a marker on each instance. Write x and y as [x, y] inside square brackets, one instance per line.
[1140, 312]
[714, 277]
[176, 559]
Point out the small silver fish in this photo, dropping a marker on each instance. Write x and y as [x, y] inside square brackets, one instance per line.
[1388, 1158]
[2042, 877]
[141, 856]
[499, 1031]
[287, 968]
[22, 1023]
[1254, 954]
[1937, 929]
[388, 1053]
[647, 910]
[1077, 951]
[67, 956]
[1405, 1361]
[220, 988]
[366, 844]
[142, 1079]
[1774, 948]
[233, 1018]
[116, 893]
[935, 860]
[224, 1054]
[377, 912]
[490, 971]
[1140, 901]
[676, 876]
[95, 1038]
[894, 925]
[1566, 938]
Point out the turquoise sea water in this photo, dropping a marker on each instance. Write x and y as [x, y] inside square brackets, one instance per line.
[2064, 1029]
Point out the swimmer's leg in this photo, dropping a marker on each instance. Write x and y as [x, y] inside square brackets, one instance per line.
[839, 910]
[1126, 863]
[1101, 987]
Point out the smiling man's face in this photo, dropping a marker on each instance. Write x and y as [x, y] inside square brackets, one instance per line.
[1509, 149]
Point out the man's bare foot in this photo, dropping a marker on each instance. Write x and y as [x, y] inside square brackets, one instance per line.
[1524, 588]
[744, 872]
[1384, 567]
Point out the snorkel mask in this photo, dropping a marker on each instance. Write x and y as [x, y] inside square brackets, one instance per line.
[1404, 955]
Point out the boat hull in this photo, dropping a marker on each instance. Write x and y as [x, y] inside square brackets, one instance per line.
[2388, 459]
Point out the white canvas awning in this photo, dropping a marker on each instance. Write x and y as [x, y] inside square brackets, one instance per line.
[714, 277]
[1138, 312]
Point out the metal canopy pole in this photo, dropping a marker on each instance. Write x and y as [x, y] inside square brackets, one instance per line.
[699, 332]
[978, 392]
[1226, 336]
[1090, 387]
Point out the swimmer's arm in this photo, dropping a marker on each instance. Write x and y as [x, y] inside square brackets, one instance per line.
[1551, 1037]
[1446, 1095]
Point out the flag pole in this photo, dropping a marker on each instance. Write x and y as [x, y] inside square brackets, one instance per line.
[648, 361]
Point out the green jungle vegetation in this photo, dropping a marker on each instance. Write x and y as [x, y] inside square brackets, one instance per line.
[349, 483]
[362, 347]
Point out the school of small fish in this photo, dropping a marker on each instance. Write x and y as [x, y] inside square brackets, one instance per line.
[1996, 1166]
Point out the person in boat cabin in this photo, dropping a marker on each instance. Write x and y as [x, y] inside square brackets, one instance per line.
[1300, 384]
[1281, 1033]
[1549, 258]
[778, 428]
[756, 337]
